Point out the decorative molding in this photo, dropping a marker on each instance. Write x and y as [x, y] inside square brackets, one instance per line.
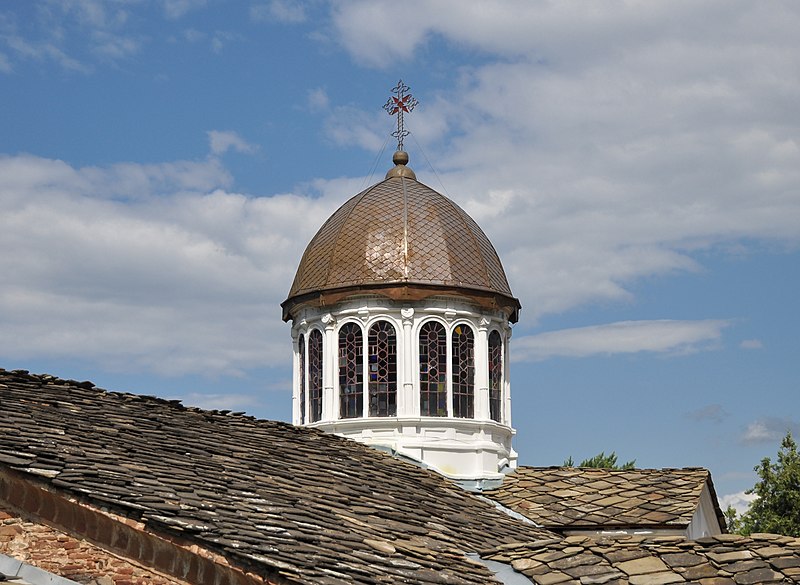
[450, 315]
[407, 313]
[363, 314]
[328, 320]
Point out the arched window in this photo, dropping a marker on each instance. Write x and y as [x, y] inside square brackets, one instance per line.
[382, 352]
[463, 372]
[432, 369]
[351, 371]
[301, 350]
[495, 375]
[315, 375]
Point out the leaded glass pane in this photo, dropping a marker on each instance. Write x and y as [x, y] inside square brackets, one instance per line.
[382, 369]
[351, 371]
[432, 369]
[315, 375]
[301, 350]
[463, 372]
[495, 375]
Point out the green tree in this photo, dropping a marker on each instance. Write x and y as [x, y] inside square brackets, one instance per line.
[601, 461]
[777, 508]
[733, 520]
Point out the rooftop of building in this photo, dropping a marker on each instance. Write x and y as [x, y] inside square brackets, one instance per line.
[590, 498]
[275, 499]
[725, 559]
[295, 505]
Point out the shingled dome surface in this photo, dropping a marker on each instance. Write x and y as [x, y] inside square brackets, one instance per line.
[401, 233]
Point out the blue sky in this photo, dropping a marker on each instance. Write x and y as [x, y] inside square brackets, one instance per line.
[637, 165]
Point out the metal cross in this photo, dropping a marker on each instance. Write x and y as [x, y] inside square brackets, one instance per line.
[400, 104]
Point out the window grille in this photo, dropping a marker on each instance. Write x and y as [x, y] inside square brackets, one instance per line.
[463, 372]
[495, 375]
[351, 371]
[432, 369]
[382, 359]
[315, 374]
[301, 350]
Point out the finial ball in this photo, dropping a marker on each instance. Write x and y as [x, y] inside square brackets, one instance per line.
[400, 157]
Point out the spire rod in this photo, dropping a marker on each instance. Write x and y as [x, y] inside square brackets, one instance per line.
[399, 104]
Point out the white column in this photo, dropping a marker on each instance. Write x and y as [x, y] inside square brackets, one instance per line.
[449, 315]
[329, 357]
[482, 370]
[506, 418]
[407, 405]
[364, 314]
[295, 379]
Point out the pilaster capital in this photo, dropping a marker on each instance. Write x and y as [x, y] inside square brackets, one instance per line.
[407, 313]
[328, 320]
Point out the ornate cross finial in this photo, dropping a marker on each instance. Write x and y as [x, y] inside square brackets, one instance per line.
[400, 104]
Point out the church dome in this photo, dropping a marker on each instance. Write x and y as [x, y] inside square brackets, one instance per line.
[405, 241]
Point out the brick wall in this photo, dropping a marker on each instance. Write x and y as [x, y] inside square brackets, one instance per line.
[53, 551]
[33, 509]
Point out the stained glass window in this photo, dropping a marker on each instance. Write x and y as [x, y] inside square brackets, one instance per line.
[301, 350]
[315, 375]
[495, 375]
[432, 369]
[463, 372]
[351, 371]
[382, 359]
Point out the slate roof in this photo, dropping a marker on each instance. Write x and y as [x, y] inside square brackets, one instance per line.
[725, 559]
[587, 498]
[275, 499]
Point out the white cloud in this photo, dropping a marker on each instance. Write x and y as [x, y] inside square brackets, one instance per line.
[222, 38]
[617, 142]
[284, 11]
[73, 34]
[45, 51]
[231, 401]
[318, 99]
[662, 336]
[183, 282]
[113, 46]
[349, 125]
[751, 344]
[175, 9]
[221, 142]
[740, 501]
[769, 430]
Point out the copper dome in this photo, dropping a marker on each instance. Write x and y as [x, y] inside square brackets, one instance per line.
[403, 240]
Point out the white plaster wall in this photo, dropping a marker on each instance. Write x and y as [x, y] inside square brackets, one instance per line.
[705, 521]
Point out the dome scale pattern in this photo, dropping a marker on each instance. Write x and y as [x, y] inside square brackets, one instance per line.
[402, 239]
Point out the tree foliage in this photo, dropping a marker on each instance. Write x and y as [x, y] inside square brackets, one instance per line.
[777, 508]
[601, 461]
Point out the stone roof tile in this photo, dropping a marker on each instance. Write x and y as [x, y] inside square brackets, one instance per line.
[590, 498]
[630, 560]
[273, 498]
